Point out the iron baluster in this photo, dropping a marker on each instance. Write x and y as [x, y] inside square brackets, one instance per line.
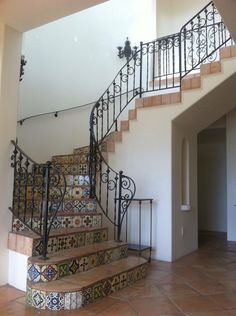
[141, 70]
[45, 208]
[119, 205]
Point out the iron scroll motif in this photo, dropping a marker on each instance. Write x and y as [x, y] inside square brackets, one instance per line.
[38, 192]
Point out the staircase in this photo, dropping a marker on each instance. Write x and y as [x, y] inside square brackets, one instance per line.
[59, 207]
[82, 265]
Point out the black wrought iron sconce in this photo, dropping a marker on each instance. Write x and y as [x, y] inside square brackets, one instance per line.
[127, 51]
[23, 62]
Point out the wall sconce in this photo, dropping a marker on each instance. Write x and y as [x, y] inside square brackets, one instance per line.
[23, 62]
[127, 51]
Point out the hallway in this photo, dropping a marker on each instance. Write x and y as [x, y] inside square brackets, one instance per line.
[201, 284]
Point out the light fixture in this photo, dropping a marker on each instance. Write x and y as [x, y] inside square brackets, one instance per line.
[127, 51]
[23, 62]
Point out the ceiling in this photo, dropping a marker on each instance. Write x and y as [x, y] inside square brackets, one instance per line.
[24, 15]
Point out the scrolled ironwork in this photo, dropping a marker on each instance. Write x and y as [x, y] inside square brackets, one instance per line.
[38, 192]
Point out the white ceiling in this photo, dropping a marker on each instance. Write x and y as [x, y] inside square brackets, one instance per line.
[24, 15]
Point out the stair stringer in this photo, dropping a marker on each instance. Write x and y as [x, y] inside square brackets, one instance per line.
[147, 151]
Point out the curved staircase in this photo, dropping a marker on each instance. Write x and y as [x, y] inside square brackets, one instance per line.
[82, 265]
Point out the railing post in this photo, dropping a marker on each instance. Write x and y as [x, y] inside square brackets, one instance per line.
[180, 59]
[119, 205]
[141, 70]
[45, 208]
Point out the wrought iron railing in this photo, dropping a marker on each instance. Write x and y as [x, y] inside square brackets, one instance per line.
[38, 192]
[160, 64]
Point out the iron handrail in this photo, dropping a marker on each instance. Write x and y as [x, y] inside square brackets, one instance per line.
[38, 192]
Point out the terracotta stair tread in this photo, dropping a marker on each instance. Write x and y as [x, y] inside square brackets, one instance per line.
[76, 252]
[82, 280]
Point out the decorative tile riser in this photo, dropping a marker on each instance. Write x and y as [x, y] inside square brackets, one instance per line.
[71, 179]
[81, 205]
[77, 221]
[72, 192]
[81, 151]
[74, 169]
[58, 243]
[77, 299]
[46, 273]
[70, 159]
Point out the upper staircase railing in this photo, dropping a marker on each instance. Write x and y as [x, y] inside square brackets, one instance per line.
[38, 192]
[156, 65]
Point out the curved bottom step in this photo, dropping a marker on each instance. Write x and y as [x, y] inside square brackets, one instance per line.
[76, 291]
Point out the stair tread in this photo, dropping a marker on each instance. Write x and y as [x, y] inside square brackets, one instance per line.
[76, 252]
[61, 231]
[84, 279]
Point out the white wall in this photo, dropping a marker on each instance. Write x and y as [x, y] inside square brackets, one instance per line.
[172, 14]
[231, 174]
[73, 60]
[212, 185]
[54, 136]
[10, 46]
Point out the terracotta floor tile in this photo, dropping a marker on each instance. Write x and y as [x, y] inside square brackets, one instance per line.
[207, 287]
[225, 301]
[177, 289]
[195, 304]
[8, 294]
[214, 313]
[101, 305]
[154, 307]
[121, 308]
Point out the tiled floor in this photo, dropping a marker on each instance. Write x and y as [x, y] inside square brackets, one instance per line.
[201, 284]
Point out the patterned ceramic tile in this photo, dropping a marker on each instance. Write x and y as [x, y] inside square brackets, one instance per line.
[62, 243]
[63, 269]
[97, 236]
[101, 257]
[74, 266]
[18, 226]
[89, 238]
[93, 261]
[83, 168]
[123, 280]
[86, 180]
[87, 221]
[33, 272]
[37, 247]
[116, 254]
[72, 241]
[57, 223]
[52, 245]
[87, 296]
[67, 222]
[115, 283]
[29, 296]
[86, 192]
[74, 169]
[108, 256]
[38, 299]
[97, 221]
[83, 264]
[55, 301]
[68, 194]
[77, 193]
[77, 221]
[49, 273]
[97, 291]
[81, 239]
[68, 206]
[73, 300]
[107, 288]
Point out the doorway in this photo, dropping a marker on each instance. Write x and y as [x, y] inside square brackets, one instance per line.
[212, 179]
